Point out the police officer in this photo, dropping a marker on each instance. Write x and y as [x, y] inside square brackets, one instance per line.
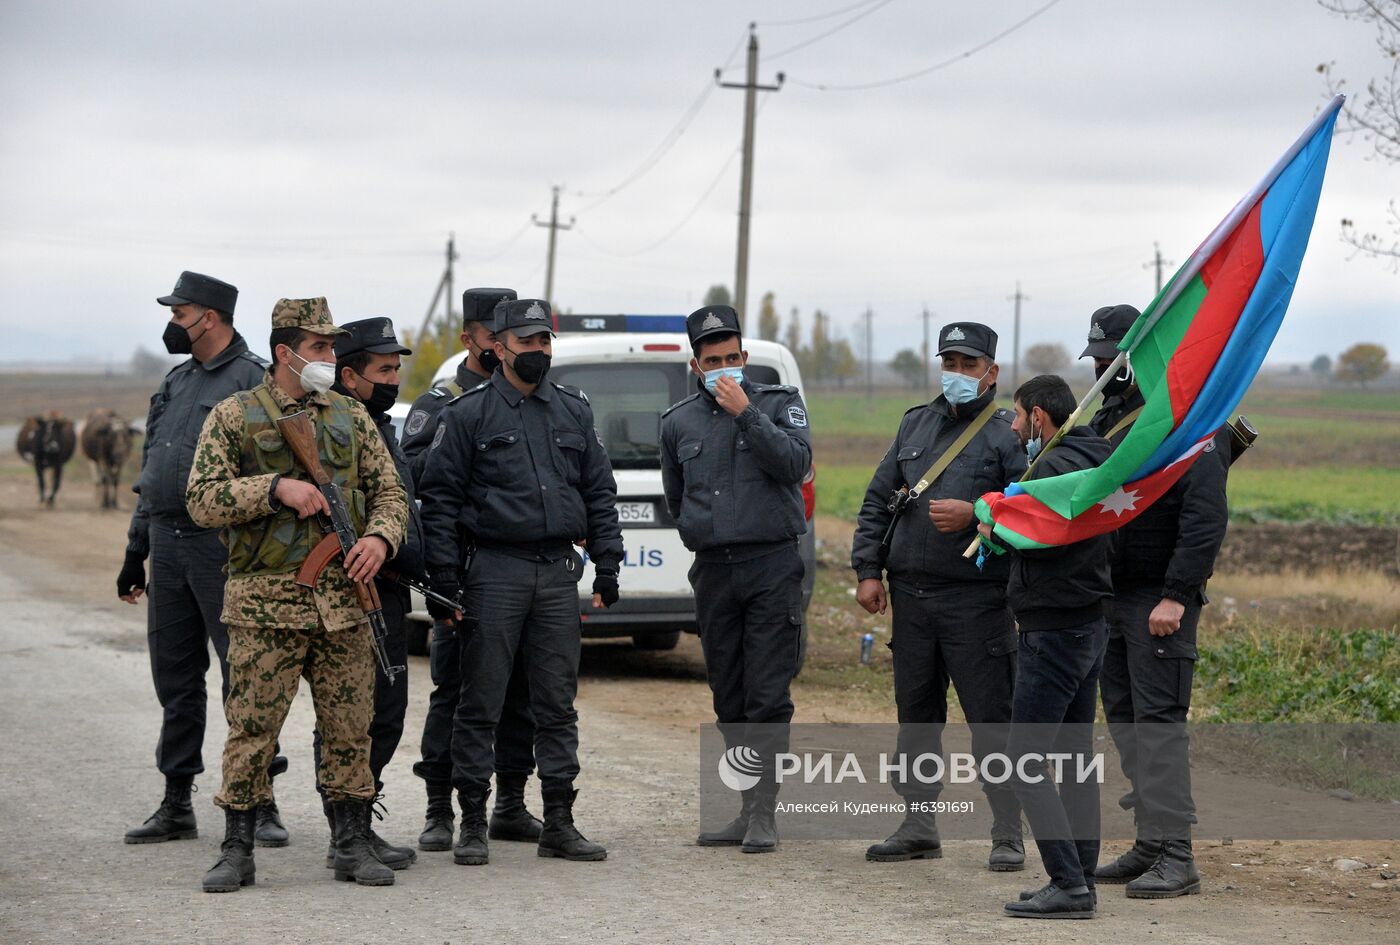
[246, 481]
[367, 369]
[951, 619]
[517, 476]
[515, 735]
[733, 457]
[1161, 561]
[186, 590]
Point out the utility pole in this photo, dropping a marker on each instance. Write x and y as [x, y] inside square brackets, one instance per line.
[1157, 262]
[1018, 298]
[444, 283]
[928, 378]
[751, 88]
[451, 258]
[869, 352]
[554, 226]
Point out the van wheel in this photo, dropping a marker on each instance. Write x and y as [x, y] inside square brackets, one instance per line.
[659, 640]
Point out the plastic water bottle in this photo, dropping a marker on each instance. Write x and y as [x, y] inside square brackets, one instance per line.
[867, 648]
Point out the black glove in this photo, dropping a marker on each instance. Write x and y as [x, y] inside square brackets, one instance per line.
[133, 574]
[444, 582]
[605, 586]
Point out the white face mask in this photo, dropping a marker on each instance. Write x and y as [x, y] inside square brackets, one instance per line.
[317, 376]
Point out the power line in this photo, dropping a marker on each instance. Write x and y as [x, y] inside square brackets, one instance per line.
[818, 17]
[824, 87]
[831, 32]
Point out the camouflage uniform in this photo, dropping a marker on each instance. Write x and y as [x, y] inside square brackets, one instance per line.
[279, 631]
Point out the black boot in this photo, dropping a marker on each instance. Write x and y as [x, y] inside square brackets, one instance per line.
[1032, 893]
[1139, 858]
[732, 834]
[234, 868]
[269, 831]
[396, 858]
[1173, 873]
[762, 834]
[354, 856]
[173, 819]
[1052, 902]
[916, 839]
[560, 838]
[437, 828]
[471, 848]
[1008, 846]
[510, 819]
[329, 811]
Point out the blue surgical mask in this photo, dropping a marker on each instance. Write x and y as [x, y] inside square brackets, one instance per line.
[712, 377]
[959, 388]
[1033, 446]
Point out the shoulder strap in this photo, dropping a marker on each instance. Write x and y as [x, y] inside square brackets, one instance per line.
[1122, 425]
[454, 388]
[951, 453]
[268, 404]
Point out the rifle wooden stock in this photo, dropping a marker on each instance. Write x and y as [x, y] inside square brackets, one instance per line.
[300, 435]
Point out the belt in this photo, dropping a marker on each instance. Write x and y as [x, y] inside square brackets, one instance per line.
[529, 551]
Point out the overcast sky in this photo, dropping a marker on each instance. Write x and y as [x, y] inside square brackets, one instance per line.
[300, 149]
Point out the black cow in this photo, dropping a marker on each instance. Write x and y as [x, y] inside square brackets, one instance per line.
[47, 441]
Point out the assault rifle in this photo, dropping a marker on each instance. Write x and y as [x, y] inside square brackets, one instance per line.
[300, 435]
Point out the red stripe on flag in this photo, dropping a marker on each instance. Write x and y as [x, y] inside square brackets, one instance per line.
[1229, 277]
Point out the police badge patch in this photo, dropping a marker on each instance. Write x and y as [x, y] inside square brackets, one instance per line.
[1096, 333]
[416, 422]
[797, 416]
[711, 321]
[437, 437]
[955, 334]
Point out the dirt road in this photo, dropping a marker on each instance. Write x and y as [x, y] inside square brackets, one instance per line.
[79, 722]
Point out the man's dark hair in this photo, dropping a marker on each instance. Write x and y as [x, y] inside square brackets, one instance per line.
[356, 361]
[225, 317]
[714, 340]
[291, 337]
[1051, 394]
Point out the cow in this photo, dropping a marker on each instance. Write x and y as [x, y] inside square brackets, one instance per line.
[106, 442]
[47, 441]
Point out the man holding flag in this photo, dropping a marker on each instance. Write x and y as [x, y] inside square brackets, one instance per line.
[1160, 561]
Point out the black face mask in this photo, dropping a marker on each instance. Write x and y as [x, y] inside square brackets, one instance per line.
[531, 366]
[488, 360]
[384, 397]
[1120, 382]
[177, 338]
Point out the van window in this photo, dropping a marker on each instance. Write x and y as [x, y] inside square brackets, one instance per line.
[628, 401]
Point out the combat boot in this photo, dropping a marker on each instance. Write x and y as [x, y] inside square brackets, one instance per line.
[173, 819]
[1052, 902]
[1008, 846]
[269, 831]
[234, 868]
[471, 848]
[732, 834]
[916, 839]
[560, 838]
[762, 834]
[437, 828]
[510, 819]
[1139, 858]
[1173, 873]
[1032, 893]
[396, 858]
[329, 811]
[355, 858]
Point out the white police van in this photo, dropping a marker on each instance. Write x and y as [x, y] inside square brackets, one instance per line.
[632, 368]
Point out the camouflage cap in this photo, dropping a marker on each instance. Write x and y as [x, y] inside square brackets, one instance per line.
[312, 315]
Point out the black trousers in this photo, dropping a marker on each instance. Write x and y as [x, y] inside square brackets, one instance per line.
[1146, 686]
[1057, 675]
[390, 701]
[965, 635]
[515, 735]
[749, 615]
[527, 609]
[185, 598]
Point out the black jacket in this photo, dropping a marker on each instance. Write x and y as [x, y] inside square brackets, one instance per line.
[920, 555]
[1065, 586]
[422, 423]
[409, 558]
[1171, 546]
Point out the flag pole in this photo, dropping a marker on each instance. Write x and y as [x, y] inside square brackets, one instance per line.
[1169, 294]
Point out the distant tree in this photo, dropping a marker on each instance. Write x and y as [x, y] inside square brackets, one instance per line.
[718, 294]
[437, 344]
[1046, 358]
[1362, 363]
[1321, 366]
[908, 365]
[844, 364]
[146, 363]
[821, 351]
[792, 335]
[768, 326]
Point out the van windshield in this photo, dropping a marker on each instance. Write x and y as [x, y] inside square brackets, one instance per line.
[628, 401]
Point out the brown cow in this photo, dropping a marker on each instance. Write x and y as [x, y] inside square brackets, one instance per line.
[47, 441]
[106, 442]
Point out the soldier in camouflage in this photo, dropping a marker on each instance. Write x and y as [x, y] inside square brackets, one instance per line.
[246, 481]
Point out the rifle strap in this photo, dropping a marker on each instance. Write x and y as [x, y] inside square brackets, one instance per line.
[1122, 425]
[951, 453]
[268, 404]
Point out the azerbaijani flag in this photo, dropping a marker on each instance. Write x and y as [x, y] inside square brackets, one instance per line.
[1194, 352]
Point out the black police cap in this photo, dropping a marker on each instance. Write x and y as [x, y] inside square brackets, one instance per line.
[524, 317]
[711, 320]
[968, 338]
[478, 305]
[375, 335]
[193, 288]
[1107, 326]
